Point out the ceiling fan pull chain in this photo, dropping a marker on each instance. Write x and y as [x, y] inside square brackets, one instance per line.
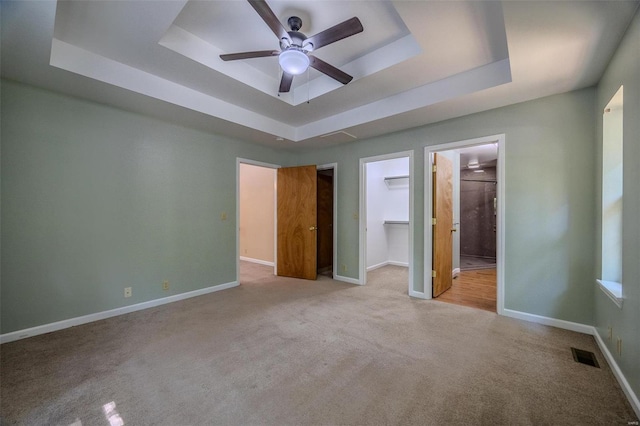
[280, 73]
[308, 84]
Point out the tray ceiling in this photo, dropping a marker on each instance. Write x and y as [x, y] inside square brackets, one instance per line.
[414, 63]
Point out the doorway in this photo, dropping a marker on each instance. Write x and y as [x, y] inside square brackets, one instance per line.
[255, 217]
[464, 256]
[386, 222]
[478, 181]
[325, 220]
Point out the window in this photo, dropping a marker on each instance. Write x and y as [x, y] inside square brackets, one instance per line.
[612, 141]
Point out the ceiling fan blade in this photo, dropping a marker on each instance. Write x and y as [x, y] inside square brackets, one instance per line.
[249, 55]
[269, 18]
[329, 70]
[337, 32]
[285, 83]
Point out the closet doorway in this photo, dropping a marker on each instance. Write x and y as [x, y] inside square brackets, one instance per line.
[325, 220]
[464, 204]
[386, 222]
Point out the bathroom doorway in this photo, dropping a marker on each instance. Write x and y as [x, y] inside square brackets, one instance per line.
[478, 207]
[464, 206]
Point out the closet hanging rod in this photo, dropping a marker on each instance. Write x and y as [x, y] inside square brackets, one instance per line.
[478, 180]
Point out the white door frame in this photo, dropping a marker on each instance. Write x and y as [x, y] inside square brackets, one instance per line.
[428, 212]
[333, 166]
[363, 215]
[275, 212]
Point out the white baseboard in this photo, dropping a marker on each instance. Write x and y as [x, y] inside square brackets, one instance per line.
[455, 272]
[586, 329]
[417, 294]
[388, 262]
[259, 261]
[567, 325]
[347, 279]
[624, 384]
[72, 322]
[379, 265]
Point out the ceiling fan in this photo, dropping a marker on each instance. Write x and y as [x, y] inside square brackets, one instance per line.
[294, 54]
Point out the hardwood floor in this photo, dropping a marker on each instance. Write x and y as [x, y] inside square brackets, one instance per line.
[476, 289]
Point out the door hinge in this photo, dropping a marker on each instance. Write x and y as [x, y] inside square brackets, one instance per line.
[434, 168]
[433, 274]
[433, 220]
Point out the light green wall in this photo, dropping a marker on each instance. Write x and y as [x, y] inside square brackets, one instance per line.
[550, 215]
[95, 199]
[624, 69]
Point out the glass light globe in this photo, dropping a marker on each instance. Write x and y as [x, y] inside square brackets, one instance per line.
[293, 61]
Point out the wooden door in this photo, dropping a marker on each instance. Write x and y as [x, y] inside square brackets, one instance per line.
[443, 228]
[297, 209]
[325, 221]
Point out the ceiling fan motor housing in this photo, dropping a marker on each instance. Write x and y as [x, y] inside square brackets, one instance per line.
[295, 23]
[296, 39]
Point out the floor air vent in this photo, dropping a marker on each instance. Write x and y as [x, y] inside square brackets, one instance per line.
[584, 357]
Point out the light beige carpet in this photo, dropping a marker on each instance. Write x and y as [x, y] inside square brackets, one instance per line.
[390, 278]
[278, 351]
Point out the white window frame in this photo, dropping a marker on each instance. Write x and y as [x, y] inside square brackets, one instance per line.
[610, 281]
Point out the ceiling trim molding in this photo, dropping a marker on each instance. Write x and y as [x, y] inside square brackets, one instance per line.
[484, 77]
[74, 59]
[192, 47]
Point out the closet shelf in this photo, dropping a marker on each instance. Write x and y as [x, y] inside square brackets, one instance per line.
[397, 181]
[396, 222]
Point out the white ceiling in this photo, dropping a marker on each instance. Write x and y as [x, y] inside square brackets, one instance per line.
[416, 62]
[485, 155]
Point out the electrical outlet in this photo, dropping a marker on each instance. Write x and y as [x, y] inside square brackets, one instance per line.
[344, 268]
[610, 336]
[165, 285]
[127, 292]
[355, 216]
[223, 216]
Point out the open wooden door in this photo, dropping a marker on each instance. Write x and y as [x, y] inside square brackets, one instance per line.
[297, 210]
[443, 227]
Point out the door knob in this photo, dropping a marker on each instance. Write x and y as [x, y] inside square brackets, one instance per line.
[312, 228]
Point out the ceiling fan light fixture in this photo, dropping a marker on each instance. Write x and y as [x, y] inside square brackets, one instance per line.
[293, 61]
[293, 57]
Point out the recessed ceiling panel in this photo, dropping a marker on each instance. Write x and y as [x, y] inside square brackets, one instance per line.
[206, 29]
[480, 154]
[236, 27]
[171, 51]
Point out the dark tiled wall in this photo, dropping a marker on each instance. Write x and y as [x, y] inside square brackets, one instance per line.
[477, 213]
